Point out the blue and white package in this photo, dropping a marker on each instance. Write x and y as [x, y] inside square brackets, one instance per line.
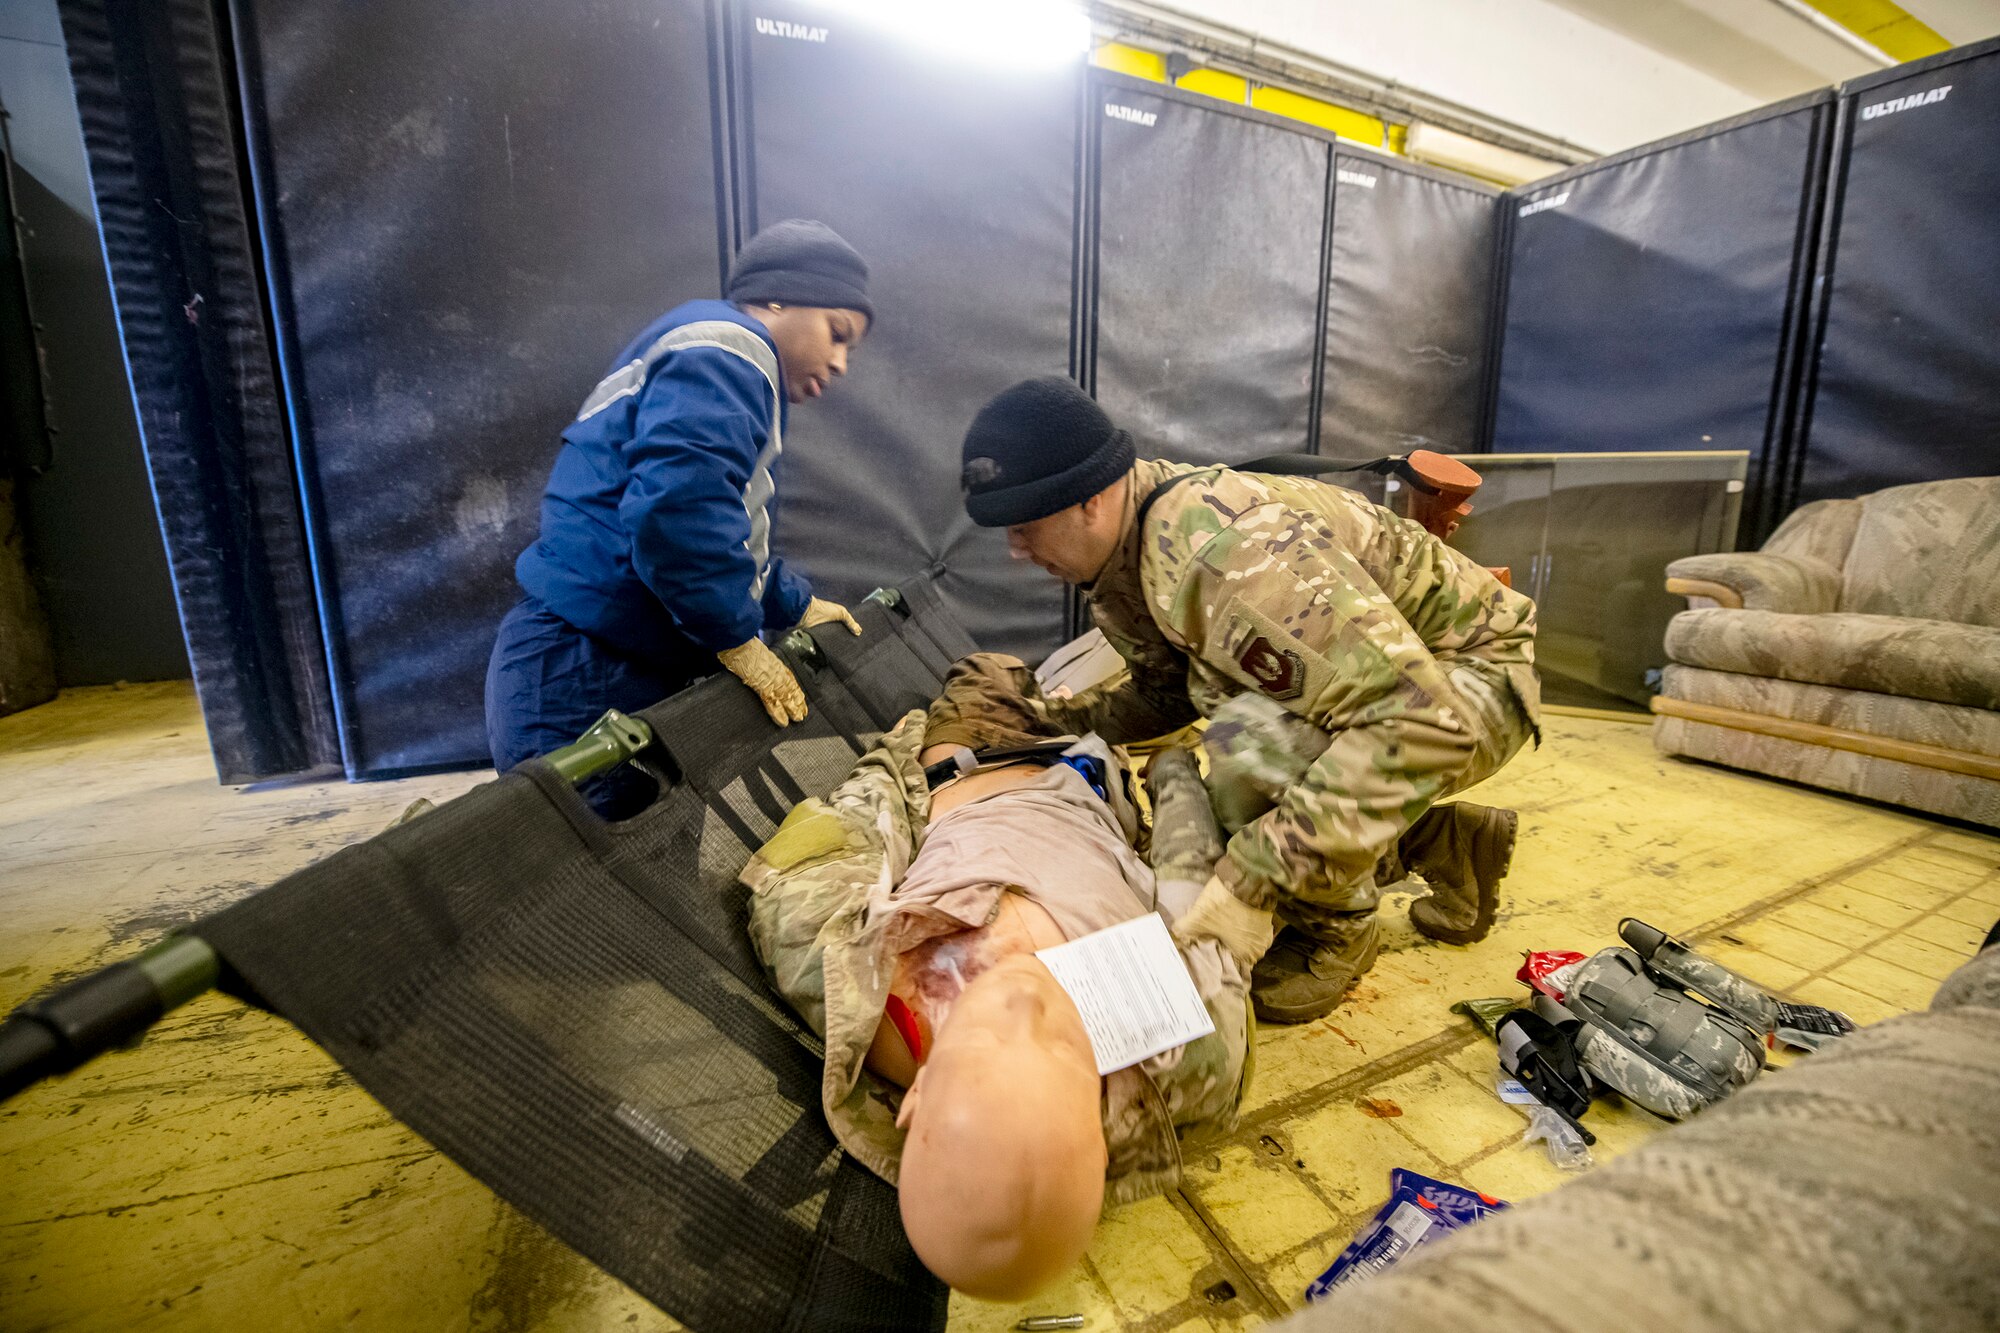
[1419, 1210]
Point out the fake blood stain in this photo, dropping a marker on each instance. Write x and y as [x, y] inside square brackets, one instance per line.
[1380, 1108]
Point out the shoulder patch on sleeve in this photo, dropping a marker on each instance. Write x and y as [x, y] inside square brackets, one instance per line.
[1281, 672]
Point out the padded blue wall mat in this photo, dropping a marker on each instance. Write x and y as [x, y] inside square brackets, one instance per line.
[1908, 379]
[1204, 349]
[1409, 304]
[465, 223]
[957, 181]
[154, 98]
[1654, 298]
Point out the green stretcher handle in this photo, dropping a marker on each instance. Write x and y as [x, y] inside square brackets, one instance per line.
[114, 1006]
[804, 648]
[611, 740]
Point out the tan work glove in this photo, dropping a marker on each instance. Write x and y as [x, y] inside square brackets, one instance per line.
[759, 668]
[1245, 931]
[819, 611]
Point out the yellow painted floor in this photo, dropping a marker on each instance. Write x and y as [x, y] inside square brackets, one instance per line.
[227, 1175]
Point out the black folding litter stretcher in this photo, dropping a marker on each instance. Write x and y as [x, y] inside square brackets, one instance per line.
[570, 1009]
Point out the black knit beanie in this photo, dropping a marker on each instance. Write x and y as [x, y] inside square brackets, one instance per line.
[801, 263]
[1037, 448]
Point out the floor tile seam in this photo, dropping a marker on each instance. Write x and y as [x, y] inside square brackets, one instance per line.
[1919, 978]
[1453, 1170]
[1346, 1216]
[1289, 1161]
[1867, 892]
[1220, 1239]
[1349, 1220]
[1769, 904]
[1907, 929]
[1445, 1042]
[1100, 1286]
[1339, 1237]
[1491, 1089]
[1894, 873]
[1929, 914]
[1448, 1042]
[1937, 914]
[1804, 929]
[115, 1209]
[1826, 973]
[1458, 1169]
[1951, 854]
[1409, 1138]
[1174, 1317]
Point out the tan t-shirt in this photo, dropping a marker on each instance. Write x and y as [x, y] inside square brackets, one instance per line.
[1033, 858]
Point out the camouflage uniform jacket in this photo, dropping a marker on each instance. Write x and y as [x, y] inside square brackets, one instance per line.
[818, 890]
[1338, 609]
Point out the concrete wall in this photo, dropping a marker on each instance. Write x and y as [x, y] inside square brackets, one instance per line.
[93, 538]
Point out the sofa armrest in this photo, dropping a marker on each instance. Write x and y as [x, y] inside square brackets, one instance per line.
[1757, 581]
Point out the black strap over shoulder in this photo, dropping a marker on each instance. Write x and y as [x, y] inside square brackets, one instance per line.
[1300, 465]
[1314, 465]
[1146, 505]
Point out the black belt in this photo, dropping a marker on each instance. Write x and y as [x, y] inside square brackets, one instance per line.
[1047, 754]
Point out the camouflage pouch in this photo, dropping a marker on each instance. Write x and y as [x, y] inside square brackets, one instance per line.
[1651, 1041]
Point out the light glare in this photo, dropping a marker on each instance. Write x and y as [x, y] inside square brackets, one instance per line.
[1020, 33]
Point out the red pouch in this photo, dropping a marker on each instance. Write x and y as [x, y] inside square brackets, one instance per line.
[1549, 972]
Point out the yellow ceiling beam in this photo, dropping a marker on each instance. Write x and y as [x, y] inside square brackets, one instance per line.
[1214, 83]
[1889, 27]
[1347, 124]
[1132, 60]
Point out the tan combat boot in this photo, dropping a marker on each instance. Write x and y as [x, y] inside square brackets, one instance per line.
[1462, 850]
[1302, 977]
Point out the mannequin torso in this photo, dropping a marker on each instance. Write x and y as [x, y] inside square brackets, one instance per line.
[930, 976]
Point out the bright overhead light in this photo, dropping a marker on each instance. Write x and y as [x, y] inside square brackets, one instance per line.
[1007, 32]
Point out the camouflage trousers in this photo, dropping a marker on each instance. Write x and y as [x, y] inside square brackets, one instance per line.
[1258, 750]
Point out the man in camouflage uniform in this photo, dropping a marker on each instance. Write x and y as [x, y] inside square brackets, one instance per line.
[1378, 670]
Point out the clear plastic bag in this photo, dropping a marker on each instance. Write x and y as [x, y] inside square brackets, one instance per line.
[1565, 1146]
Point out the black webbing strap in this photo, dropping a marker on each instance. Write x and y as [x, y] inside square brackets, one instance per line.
[1301, 465]
[1146, 505]
[1314, 465]
[1047, 754]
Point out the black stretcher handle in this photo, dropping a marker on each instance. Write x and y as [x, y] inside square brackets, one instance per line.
[114, 1006]
[111, 1007]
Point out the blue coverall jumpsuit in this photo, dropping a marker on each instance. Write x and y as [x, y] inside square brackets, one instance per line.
[656, 531]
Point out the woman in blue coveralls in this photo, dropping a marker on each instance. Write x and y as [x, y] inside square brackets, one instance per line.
[654, 562]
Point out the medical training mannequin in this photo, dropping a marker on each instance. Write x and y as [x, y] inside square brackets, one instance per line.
[1003, 1170]
[901, 922]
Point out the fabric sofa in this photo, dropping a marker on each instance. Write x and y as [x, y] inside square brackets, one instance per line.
[1859, 650]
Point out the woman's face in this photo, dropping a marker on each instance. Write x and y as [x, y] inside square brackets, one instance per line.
[813, 344]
